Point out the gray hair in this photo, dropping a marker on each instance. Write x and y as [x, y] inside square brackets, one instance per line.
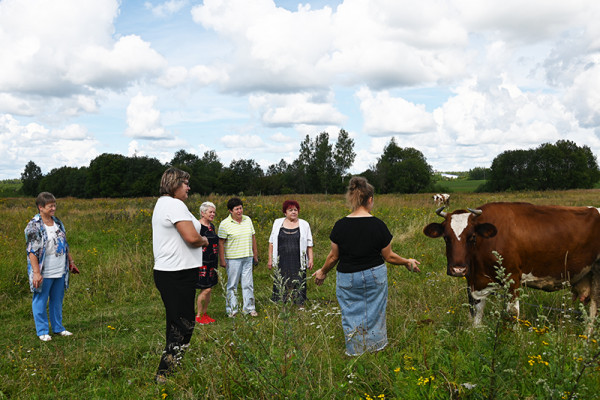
[205, 206]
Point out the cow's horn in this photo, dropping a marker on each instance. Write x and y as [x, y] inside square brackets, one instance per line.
[440, 212]
[475, 212]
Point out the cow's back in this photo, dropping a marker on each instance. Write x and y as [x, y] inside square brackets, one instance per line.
[552, 242]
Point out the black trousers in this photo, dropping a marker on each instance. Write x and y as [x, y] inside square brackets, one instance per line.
[178, 292]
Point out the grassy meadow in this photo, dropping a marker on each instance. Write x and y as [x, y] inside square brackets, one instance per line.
[117, 318]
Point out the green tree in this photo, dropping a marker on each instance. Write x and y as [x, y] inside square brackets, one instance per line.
[142, 176]
[242, 176]
[478, 173]
[106, 176]
[31, 177]
[65, 181]
[278, 178]
[182, 158]
[562, 165]
[320, 167]
[321, 171]
[402, 170]
[205, 173]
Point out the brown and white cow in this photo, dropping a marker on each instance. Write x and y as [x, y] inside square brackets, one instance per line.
[441, 199]
[542, 247]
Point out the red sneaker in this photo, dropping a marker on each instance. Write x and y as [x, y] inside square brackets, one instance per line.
[209, 319]
[198, 319]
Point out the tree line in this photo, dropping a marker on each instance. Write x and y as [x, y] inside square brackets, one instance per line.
[321, 167]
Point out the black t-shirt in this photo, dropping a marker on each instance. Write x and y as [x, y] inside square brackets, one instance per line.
[360, 241]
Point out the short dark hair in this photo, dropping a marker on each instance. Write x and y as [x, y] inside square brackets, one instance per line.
[44, 198]
[289, 204]
[171, 179]
[234, 202]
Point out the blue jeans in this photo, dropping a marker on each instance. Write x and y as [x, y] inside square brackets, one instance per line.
[240, 268]
[363, 300]
[53, 289]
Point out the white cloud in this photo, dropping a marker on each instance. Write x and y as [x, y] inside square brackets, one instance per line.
[298, 108]
[163, 150]
[385, 115]
[167, 8]
[48, 148]
[143, 120]
[584, 95]
[242, 141]
[281, 138]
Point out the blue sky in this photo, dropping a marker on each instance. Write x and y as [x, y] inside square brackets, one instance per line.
[459, 80]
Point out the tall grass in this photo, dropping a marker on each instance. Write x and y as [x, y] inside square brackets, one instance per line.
[434, 352]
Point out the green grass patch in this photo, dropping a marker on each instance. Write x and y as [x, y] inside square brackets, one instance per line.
[117, 318]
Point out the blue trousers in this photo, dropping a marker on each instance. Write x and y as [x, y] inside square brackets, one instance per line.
[240, 269]
[52, 294]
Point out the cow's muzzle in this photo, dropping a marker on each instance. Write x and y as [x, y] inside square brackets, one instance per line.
[457, 270]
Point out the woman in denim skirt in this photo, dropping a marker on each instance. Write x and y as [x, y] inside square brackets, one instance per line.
[360, 243]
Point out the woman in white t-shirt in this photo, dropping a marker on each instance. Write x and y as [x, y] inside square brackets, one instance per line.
[177, 247]
[48, 265]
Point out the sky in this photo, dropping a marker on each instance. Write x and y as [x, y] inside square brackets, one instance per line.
[459, 80]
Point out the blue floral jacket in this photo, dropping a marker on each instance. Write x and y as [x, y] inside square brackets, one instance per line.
[36, 238]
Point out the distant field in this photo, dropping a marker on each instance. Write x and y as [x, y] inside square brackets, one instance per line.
[117, 318]
[10, 188]
[461, 185]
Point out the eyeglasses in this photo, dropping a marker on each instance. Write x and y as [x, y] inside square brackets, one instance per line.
[187, 183]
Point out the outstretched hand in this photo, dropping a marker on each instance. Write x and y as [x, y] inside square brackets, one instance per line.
[319, 276]
[412, 265]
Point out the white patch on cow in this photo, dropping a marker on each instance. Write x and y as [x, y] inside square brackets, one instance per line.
[458, 223]
[597, 209]
[528, 278]
[478, 317]
[482, 294]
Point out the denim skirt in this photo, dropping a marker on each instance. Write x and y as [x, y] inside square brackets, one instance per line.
[363, 301]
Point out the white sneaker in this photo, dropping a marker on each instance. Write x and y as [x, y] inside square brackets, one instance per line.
[45, 338]
[64, 333]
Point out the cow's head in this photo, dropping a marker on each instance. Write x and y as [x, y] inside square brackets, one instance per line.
[460, 230]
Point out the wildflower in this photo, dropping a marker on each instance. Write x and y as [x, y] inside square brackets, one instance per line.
[110, 327]
[423, 381]
[397, 369]
[584, 337]
[537, 359]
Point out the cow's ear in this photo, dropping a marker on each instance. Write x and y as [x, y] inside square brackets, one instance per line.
[486, 230]
[433, 230]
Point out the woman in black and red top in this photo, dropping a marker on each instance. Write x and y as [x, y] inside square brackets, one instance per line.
[207, 276]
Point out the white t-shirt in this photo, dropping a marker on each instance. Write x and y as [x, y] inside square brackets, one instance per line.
[54, 261]
[171, 252]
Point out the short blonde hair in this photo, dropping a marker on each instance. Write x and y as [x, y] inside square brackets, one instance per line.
[171, 179]
[359, 192]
